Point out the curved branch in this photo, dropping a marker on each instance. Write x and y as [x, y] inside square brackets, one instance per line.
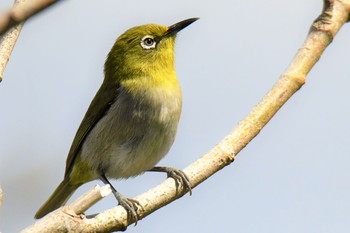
[334, 15]
[21, 11]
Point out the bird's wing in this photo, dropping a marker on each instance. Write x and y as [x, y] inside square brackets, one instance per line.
[99, 106]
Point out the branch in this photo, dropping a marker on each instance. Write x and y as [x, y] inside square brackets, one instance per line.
[323, 29]
[53, 221]
[11, 22]
[22, 10]
[8, 40]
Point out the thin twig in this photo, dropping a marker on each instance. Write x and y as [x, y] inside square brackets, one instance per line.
[88, 199]
[334, 15]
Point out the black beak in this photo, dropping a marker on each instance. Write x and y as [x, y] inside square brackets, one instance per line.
[175, 28]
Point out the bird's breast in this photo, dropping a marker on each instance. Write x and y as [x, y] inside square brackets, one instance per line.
[136, 132]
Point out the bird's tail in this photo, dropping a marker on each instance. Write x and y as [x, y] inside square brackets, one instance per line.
[58, 198]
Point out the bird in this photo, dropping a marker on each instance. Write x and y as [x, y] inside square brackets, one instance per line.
[132, 121]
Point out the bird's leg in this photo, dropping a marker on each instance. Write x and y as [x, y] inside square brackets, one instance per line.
[178, 175]
[131, 206]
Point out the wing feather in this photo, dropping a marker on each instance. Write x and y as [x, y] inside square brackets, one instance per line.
[104, 98]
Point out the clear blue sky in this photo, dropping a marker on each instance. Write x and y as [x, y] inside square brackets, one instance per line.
[293, 177]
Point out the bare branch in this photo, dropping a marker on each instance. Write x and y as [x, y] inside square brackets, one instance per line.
[88, 199]
[53, 221]
[22, 11]
[11, 22]
[8, 40]
[325, 27]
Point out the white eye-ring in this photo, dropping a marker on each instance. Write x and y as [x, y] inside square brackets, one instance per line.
[148, 42]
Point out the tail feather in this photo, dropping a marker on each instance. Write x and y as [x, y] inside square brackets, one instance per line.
[58, 198]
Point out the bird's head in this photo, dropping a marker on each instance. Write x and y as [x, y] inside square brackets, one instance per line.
[143, 49]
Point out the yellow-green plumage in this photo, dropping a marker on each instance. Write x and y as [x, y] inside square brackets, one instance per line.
[132, 121]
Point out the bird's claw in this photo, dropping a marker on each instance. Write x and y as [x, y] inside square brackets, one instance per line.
[180, 177]
[131, 206]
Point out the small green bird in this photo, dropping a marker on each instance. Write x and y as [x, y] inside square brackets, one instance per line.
[132, 121]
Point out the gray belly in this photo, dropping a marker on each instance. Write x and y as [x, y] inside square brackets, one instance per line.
[133, 136]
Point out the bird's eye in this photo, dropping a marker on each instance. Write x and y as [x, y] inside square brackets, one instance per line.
[148, 42]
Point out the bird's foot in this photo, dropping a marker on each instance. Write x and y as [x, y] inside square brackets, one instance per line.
[178, 175]
[131, 206]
